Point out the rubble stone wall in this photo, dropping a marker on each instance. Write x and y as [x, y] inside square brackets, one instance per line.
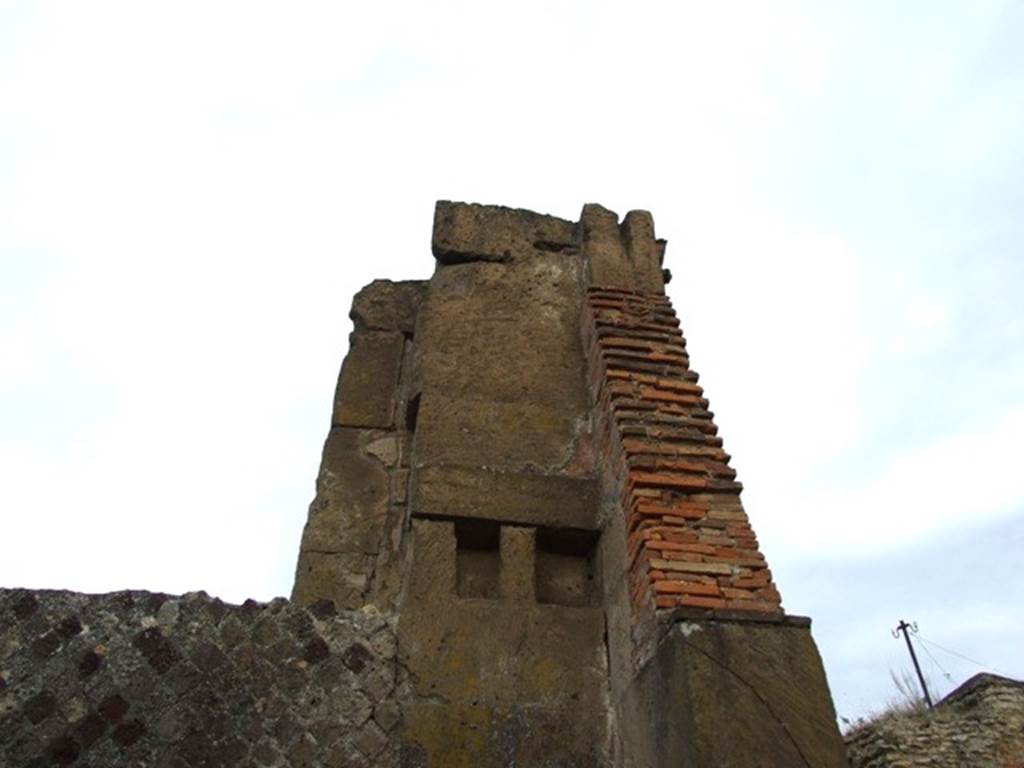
[981, 724]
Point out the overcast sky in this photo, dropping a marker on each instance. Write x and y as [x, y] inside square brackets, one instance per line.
[190, 193]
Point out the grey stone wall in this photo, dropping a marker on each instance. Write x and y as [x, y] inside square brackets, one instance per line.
[981, 724]
[143, 679]
[352, 545]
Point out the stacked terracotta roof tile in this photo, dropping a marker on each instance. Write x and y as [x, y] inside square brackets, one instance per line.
[690, 543]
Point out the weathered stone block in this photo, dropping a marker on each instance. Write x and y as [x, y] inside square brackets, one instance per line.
[341, 577]
[478, 734]
[352, 497]
[644, 251]
[500, 365]
[747, 694]
[470, 232]
[433, 577]
[519, 436]
[366, 392]
[384, 305]
[624, 257]
[607, 264]
[542, 500]
[499, 681]
[348, 520]
[517, 564]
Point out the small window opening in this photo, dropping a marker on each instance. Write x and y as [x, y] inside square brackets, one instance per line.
[478, 558]
[564, 568]
[412, 412]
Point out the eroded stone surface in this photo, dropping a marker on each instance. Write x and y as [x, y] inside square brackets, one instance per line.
[499, 362]
[744, 693]
[384, 305]
[367, 385]
[505, 680]
[470, 232]
[353, 540]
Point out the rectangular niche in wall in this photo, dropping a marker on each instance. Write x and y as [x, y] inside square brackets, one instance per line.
[412, 413]
[564, 569]
[478, 558]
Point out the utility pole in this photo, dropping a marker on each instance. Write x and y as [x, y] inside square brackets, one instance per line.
[903, 627]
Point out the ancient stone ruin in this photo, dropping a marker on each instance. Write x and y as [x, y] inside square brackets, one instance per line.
[527, 548]
[980, 723]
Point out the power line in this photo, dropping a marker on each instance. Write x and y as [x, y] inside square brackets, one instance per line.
[935, 662]
[960, 656]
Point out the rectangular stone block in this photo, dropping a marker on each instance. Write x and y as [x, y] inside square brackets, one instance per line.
[517, 563]
[351, 504]
[469, 232]
[504, 682]
[341, 577]
[603, 249]
[500, 366]
[644, 251]
[433, 575]
[388, 306]
[509, 436]
[542, 500]
[366, 392]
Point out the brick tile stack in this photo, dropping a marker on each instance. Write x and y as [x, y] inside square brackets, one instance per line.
[689, 541]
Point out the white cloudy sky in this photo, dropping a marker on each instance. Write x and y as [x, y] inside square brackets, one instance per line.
[190, 193]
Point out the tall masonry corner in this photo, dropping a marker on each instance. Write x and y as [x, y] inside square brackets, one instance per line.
[523, 471]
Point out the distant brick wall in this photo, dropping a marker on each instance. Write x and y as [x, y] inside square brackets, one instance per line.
[690, 542]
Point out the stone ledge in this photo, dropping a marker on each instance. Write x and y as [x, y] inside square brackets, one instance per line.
[556, 501]
[677, 615]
